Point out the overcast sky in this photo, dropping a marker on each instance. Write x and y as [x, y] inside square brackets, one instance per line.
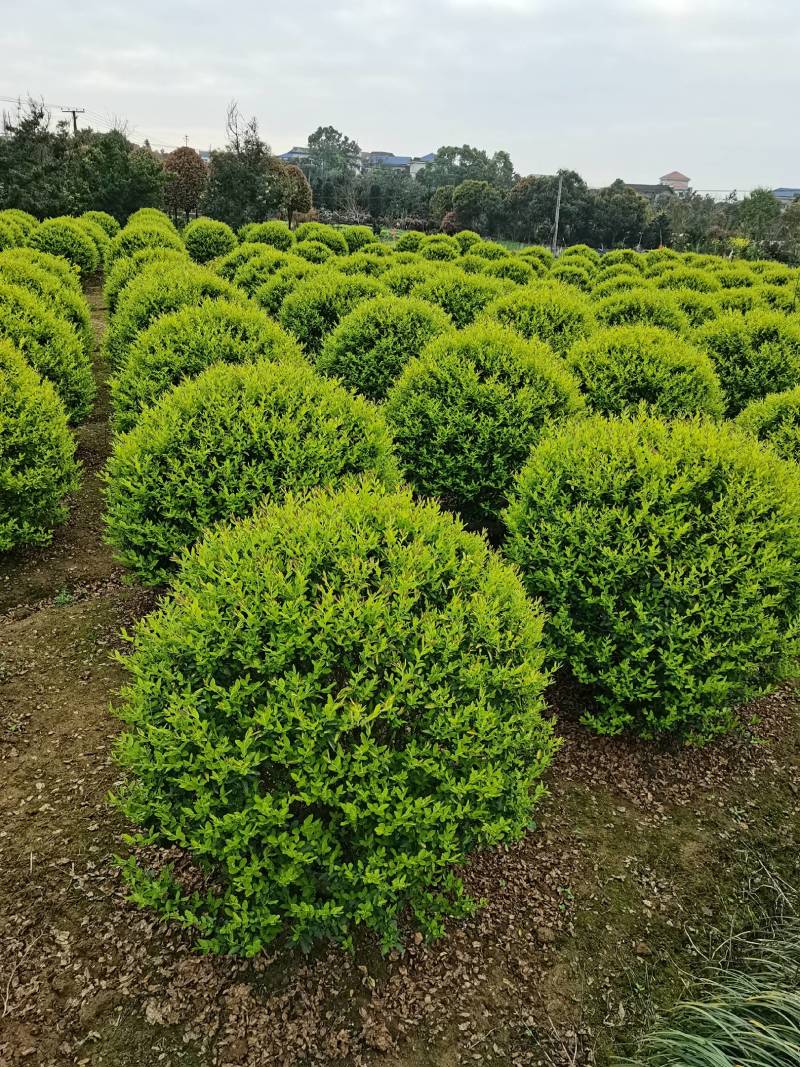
[610, 88]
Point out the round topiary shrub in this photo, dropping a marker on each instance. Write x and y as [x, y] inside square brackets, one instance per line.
[134, 238]
[357, 236]
[698, 308]
[364, 263]
[127, 268]
[105, 221]
[327, 235]
[466, 239]
[37, 454]
[754, 354]
[666, 557]
[55, 266]
[462, 296]
[623, 368]
[581, 252]
[315, 251]
[555, 314]
[537, 253]
[510, 268]
[618, 283]
[274, 233]
[61, 299]
[571, 273]
[184, 343]
[702, 281]
[66, 237]
[206, 239]
[402, 278]
[257, 269]
[776, 420]
[372, 344]
[622, 255]
[466, 413]
[151, 216]
[488, 250]
[641, 307]
[320, 301]
[372, 718]
[213, 447]
[24, 221]
[226, 266]
[50, 345]
[438, 246]
[97, 235]
[741, 300]
[272, 293]
[409, 241]
[157, 290]
[11, 235]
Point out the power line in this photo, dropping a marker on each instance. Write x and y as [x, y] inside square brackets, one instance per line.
[74, 111]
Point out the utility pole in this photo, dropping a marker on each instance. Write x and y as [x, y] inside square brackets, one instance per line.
[74, 111]
[558, 213]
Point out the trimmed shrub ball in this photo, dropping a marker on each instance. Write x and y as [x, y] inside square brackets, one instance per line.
[226, 266]
[127, 268]
[66, 237]
[641, 307]
[272, 293]
[403, 278]
[97, 235]
[465, 414]
[314, 251]
[50, 345]
[571, 273]
[151, 216]
[409, 241]
[466, 239]
[274, 233]
[555, 314]
[776, 420]
[488, 250]
[206, 239]
[702, 281]
[366, 262]
[698, 308]
[327, 235]
[11, 235]
[462, 296]
[183, 343]
[252, 274]
[37, 454]
[438, 246]
[754, 354]
[156, 291]
[104, 221]
[357, 236]
[56, 266]
[26, 222]
[62, 300]
[141, 235]
[215, 446]
[624, 367]
[581, 252]
[340, 701]
[508, 267]
[666, 556]
[320, 301]
[372, 344]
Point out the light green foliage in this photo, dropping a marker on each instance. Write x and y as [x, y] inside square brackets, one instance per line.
[11, 235]
[742, 300]
[57, 266]
[775, 419]
[357, 236]
[141, 235]
[371, 345]
[642, 307]
[272, 293]
[252, 274]
[537, 253]
[702, 281]
[205, 239]
[616, 283]
[102, 218]
[438, 246]
[21, 219]
[698, 308]
[466, 413]
[666, 557]
[315, 251]
[329, 755]
[409, 241]
[126, 268]
[183, 343]
[466, 239]
[151, 216]
[274, 233]
[555, 314]
[50, 345]
[754, 354]
[61, 299]
[97, 235]
[317, 304]
[462, 296]
[366, 262]
[622, 255]
[226, 266]
[64, 236]
[488, 250]
[624, 367]
[215, 446]
[327, 235]
[403, 278]
[511, 268]
[570, 272]
[581, 252]
[37, 464]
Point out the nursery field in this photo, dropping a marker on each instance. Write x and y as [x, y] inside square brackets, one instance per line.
[396, 644]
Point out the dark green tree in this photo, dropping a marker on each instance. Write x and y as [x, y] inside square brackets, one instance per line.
[244, 179]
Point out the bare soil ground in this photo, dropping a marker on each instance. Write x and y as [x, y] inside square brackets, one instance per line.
[639, 854]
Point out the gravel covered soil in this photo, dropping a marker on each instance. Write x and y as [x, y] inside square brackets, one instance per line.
[638, 852]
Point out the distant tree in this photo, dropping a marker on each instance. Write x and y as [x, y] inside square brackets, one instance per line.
[244, 179]
[477, 205]
[758, 216]
[620, 215]
[453, 165]
[33, 163]
[375, 204]
[441, 202]
[530, 209]
[187, 175]
[331, 153]
[297, 197]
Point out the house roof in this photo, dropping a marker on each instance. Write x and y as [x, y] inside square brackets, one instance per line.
[649, 190]
[674, 176]
[786, 191]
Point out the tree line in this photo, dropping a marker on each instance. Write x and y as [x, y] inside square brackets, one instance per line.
[48, 170]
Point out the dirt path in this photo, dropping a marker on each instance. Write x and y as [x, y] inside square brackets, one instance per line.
[639, 853]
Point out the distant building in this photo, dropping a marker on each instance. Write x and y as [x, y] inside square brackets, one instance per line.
[677, 182]
[294, 155]
[370, 160]
[650, 192]
[674, 183]
[786, 196]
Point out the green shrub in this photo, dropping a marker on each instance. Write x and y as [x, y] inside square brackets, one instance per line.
[314, 251]
[641, 307]
[702, 281]
[97, 235]
[775, 419]
[50, 345]
[274, 233]
[581, 252]
[510, 268]
[754, 354]
[56, 266]
[127, 268]
[409, 241]
[205, 239]
[364, 263]
[213, 447]
[732, 277]
[320, 301]
[555, 314]
[570, 273]
[357, 236]
[537, 253]
[134, 238]
[21, 219]
[151, 216]
[184, 343]
[343, 745]
[371, 345]
[378, 248]
[783, 298]
[466, 413]
[271, 295]
[66, 237]
[462, 296]
[62, 300]
[666, 556]
[11, 235]
[252, 274]
[624, 367]
[488, 250]
[741, 300]
[438, 246]
[105, 221]
[698, 308]
[622, 255]
[156, 291]
[327, 235]
[618, 283]
[403, 278]
[37, 454]
[466, 239]
[226, 266]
